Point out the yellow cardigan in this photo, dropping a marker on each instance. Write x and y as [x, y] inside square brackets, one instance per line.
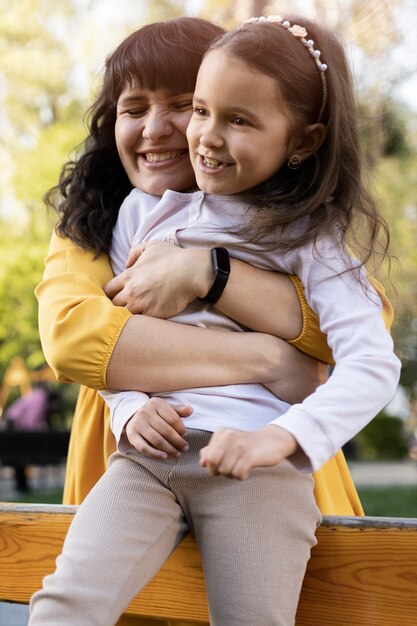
[79, 327]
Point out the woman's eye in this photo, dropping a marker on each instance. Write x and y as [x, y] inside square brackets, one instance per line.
[200, 111]
[136, 112]
[183, 106]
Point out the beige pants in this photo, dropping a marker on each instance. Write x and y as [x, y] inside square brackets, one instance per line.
[255, 538]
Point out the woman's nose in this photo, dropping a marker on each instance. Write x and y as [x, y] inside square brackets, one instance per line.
[156, 126]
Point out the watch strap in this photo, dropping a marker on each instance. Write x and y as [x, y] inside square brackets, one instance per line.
[221, 267]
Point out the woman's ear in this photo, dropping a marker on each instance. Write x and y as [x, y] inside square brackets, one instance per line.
[309, 141]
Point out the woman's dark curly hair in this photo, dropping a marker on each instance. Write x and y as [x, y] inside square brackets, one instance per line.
[92, 187]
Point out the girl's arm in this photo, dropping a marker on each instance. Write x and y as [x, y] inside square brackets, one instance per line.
[87, 340]
[366, 371]
[260, 300]
[163, 279]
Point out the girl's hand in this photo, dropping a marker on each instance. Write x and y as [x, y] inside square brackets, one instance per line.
[157, 430]
[234, 453]
[161, 279]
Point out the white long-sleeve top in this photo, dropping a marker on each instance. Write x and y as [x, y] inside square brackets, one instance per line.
[366, 372]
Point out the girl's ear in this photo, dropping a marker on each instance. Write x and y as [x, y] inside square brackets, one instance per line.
[309, 141]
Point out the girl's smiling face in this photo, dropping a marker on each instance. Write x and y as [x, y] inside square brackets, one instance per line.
[240, 132]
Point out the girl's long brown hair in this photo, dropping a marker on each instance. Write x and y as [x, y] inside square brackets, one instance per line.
[92, 187]
[328, 190]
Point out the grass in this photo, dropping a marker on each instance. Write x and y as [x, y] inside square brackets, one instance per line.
[40, 497]
[397, 501]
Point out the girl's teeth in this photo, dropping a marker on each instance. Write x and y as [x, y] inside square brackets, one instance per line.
[155, 157]
[212, 162]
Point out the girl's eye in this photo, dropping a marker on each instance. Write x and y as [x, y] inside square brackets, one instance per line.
[238, 121]
[200, 111]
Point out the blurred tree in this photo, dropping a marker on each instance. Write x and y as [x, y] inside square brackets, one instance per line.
[396, 182]
[38, 170]
[395, 139]
[32, 36]
[158, 10]
[41, 126]
[20, 270]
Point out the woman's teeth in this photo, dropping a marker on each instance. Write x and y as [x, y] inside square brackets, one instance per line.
[156, 157]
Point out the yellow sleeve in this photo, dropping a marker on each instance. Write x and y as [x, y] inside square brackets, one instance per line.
[78, 324]
[311, 340]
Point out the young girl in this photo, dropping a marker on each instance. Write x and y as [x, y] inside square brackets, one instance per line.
[301, 198]
[273, 134]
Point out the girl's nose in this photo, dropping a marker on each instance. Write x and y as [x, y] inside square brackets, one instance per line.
[211, 138]
[156, 126]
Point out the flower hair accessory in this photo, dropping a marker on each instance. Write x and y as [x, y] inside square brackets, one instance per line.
[300, 33]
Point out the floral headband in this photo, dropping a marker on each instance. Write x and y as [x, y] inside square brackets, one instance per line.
[300, 33]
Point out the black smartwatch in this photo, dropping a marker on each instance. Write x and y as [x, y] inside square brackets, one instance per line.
[221, 267]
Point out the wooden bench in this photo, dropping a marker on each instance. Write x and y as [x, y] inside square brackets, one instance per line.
[363, 572]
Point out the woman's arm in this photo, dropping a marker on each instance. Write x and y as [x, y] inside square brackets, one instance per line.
[83, 335]
[149, 356]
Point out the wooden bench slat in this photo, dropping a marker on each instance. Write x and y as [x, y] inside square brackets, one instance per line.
[363, 572]
[362, 577]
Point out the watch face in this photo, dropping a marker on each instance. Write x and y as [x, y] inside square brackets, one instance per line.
[223, 263]
[221, 267]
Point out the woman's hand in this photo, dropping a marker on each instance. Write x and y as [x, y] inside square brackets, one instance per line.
[234, 453]
[161, 279]
[299, 376]
[157, 430]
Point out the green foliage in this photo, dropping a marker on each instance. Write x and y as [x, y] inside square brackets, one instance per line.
[20, 271]
[44, 496]
[383, 439]
[30, 39]
[38, 168]
[396, 182]
[395, 141]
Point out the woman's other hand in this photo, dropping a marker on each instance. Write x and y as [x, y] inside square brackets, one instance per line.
[161, 279]
[299, 375]
[157, 430]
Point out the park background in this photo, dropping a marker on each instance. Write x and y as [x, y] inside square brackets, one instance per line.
[52, 56]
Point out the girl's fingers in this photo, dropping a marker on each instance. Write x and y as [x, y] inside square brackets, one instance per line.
[228, 454]
[141, 445]
[160, 426]
[172, 415]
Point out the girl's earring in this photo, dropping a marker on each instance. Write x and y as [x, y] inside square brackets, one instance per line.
[294, 162]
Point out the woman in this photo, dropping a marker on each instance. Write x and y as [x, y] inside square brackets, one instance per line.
[88, 340]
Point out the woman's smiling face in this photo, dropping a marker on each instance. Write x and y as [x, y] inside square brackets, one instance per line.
[151, 139]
